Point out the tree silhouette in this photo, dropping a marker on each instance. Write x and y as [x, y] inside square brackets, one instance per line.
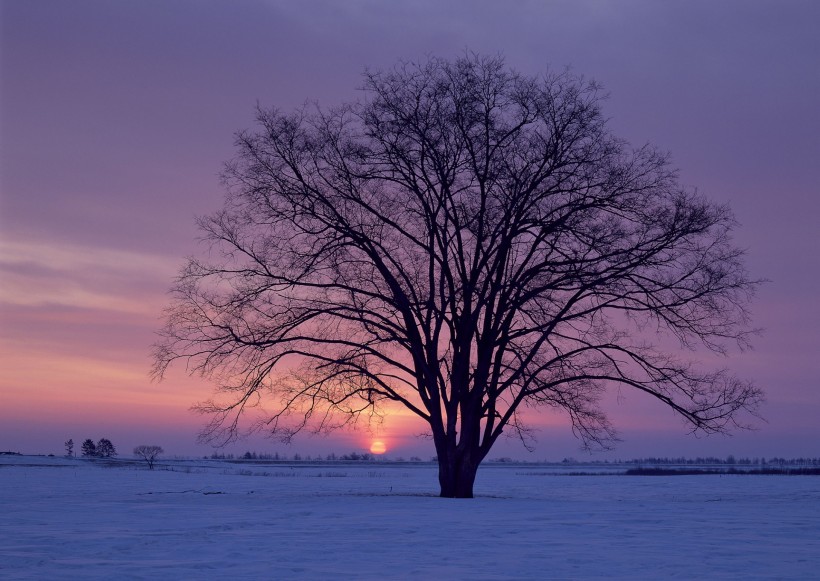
[148, 453]
[69, 447]
[89, 449]
[105, 449]
[467, 242]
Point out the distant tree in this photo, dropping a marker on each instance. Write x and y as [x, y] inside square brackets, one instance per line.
[467, 242]
[105, 449]
[69, 448]
[89, 449]
[149, 454]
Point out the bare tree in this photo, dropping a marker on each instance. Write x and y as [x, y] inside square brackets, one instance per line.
[468, 242]
[149, 454]
[69, 448]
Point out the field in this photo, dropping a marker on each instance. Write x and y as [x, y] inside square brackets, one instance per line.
[196, 519]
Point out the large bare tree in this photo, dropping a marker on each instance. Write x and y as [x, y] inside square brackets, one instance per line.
[468, 242]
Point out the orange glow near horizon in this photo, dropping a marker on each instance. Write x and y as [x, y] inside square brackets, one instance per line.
[76, 325]
[378, 447]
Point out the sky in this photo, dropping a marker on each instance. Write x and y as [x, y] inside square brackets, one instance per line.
[116, 118]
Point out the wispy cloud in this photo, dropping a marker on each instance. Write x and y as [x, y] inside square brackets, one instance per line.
[39, 274]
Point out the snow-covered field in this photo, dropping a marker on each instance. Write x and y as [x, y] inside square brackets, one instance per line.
[73, 519]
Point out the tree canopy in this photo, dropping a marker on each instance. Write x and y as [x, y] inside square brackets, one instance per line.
[466, 241]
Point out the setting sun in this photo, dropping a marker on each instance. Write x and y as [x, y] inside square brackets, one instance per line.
[378, 447]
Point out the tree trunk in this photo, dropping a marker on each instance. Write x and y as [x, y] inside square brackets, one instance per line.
[456, 473]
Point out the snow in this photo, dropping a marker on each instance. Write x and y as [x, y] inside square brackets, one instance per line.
[70, 519]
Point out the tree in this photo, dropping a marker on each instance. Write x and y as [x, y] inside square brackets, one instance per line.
[69, 448]
[149, 454]
[468, 242]
[89, 449]
[105, 449]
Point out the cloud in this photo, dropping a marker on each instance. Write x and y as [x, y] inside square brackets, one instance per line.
[39, 275]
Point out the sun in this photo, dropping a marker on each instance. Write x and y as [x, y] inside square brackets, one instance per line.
[378, 447]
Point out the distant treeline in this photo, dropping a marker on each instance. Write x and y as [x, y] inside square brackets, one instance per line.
[760, 463]
[707, 460]
[698, 471]
[731, 461]
[276, 457]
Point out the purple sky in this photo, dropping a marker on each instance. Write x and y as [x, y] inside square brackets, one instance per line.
[115, 118]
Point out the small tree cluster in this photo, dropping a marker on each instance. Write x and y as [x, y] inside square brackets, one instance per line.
[149, 454]
[102, 449]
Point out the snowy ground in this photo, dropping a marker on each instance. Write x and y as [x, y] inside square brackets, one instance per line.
[73, 519]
